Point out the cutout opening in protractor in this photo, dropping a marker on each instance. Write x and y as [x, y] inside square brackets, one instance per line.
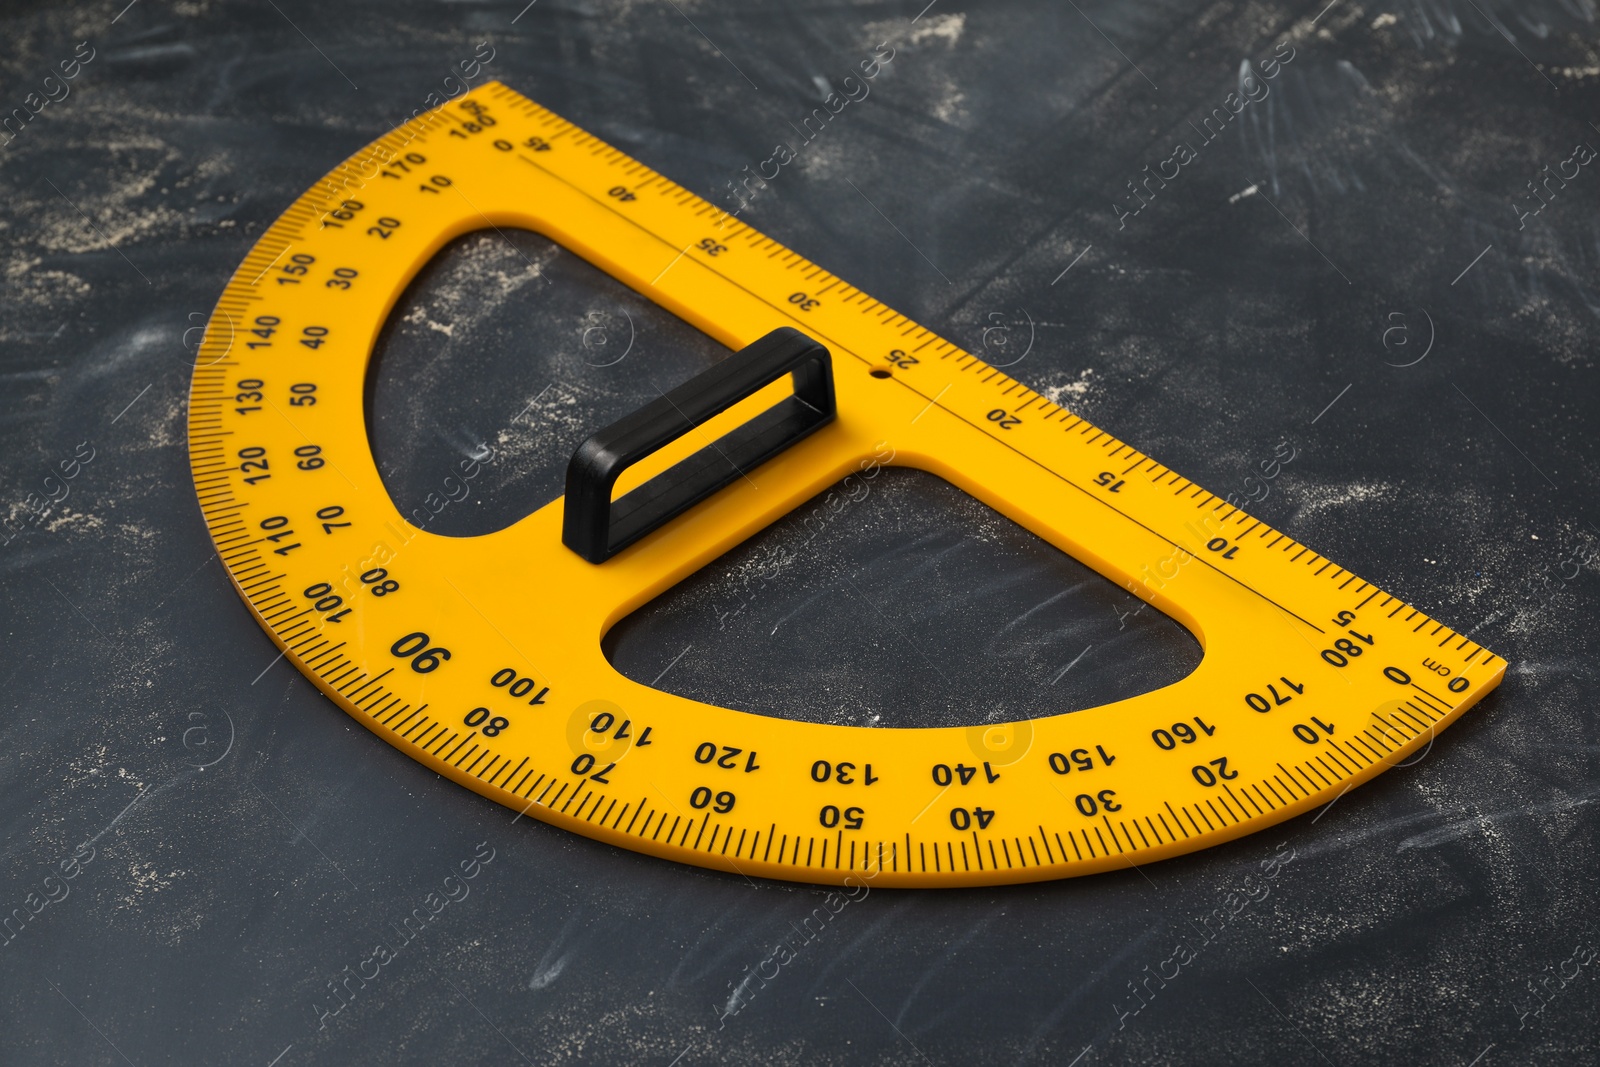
[894, 599]
[503, 354]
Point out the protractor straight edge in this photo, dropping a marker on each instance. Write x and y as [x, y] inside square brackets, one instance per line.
[1312, 679]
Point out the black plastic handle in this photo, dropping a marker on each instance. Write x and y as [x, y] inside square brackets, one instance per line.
[597, 528]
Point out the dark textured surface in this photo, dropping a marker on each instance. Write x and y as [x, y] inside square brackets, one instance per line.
[1314, 245]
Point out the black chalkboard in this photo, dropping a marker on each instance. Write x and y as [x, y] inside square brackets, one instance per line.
[1218, 230]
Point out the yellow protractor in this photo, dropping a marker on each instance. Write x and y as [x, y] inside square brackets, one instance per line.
[1312, 680]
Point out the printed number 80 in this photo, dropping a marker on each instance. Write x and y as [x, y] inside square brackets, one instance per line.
[491, 726]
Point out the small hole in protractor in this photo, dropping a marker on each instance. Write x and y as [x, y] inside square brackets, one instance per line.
[501, 357]
[897, 600]
[879, 372]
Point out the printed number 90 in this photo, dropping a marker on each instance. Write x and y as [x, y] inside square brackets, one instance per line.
[414, 646]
